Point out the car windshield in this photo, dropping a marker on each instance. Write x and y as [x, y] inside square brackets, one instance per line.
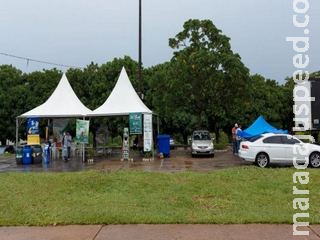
[201, 136]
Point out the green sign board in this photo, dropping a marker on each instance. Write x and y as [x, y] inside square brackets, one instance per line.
[135, 123]
[82, 131]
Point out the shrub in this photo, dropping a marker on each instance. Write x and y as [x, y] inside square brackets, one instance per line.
[223, 141]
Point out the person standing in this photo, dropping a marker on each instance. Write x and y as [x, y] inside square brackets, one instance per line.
[234, 138]
[238, 137]
[64, 147]
[69, 139]
[66, 144]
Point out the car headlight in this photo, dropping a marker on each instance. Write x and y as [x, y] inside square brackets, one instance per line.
[194, 145]
[211, 145]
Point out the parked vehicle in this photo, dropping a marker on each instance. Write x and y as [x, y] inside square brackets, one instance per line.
[279, 148]
[202, 143]
[172, 143]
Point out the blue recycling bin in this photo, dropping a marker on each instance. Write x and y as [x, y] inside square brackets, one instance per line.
[46, 154]
[27, 155]
[163, 145]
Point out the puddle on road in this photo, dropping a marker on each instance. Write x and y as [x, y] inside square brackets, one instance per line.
[178, 161]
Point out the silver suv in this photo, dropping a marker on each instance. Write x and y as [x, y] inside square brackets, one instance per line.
[202, 143]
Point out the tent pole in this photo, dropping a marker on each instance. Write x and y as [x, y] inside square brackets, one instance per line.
[83, 151]
[17, 131]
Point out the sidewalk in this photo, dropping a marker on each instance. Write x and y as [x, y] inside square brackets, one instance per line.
[159, 232]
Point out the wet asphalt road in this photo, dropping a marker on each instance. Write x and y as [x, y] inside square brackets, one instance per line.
[179, 160]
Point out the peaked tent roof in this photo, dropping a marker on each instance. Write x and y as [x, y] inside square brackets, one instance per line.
[63, 102]
[122, 100]
[260, 126]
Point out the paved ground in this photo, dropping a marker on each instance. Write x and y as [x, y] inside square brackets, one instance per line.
[159, 232]
[180, 160]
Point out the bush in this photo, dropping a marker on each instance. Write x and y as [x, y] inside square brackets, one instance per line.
[223, 141]
[115, 142]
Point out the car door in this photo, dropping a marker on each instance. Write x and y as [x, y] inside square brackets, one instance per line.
[274, 148]
[289, 144]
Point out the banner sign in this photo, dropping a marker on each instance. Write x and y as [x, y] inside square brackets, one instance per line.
[82, 131]
[33, 139]
[33, 126]
[135, 123]
[147, 132]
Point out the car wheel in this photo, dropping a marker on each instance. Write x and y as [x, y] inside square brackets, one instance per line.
[212, 155]
[262, 160]
[192, 155]
[315, 159]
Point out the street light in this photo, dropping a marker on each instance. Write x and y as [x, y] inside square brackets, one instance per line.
[140, 46]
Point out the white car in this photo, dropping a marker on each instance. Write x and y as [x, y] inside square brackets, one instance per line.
[279, 148]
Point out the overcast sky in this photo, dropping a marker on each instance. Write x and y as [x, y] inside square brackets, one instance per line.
[76, 32]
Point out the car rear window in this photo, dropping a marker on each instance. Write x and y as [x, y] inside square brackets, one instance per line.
[255, 138]
[201, 136]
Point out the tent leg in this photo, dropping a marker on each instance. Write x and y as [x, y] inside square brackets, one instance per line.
[83, 151]
[17, 132]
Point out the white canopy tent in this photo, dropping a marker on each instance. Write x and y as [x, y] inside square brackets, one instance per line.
[122, 100]
[62, 103]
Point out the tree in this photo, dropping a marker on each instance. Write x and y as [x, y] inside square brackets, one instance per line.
[12, 99]
[204, 81]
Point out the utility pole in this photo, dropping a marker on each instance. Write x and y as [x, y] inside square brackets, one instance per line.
[140, 58]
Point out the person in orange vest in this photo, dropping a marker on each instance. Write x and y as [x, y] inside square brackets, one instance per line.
[234, 139]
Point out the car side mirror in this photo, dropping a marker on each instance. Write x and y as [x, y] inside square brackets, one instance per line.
[189, 140]
[212, 139]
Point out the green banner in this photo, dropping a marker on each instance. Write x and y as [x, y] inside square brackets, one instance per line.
[82, 131]
[135, 123]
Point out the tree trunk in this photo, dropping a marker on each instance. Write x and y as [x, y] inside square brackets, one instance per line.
[185, 138]
[217, 134]
[94, 134]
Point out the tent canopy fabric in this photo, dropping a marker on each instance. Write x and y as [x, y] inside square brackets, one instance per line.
[122, 100]
[62, 103]
[260, 126]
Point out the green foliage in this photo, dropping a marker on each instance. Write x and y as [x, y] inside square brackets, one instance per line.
[306, 133]
[115, 142]
[201, 86]
[223, 141]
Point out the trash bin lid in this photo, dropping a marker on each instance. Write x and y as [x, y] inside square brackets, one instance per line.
[163, 136]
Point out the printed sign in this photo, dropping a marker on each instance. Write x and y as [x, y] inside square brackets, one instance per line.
[33, 126]
[147, 132]
[33, 139]
[82, 131]
[135, 123]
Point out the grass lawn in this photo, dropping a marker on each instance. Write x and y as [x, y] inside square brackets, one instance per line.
[238, 195]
